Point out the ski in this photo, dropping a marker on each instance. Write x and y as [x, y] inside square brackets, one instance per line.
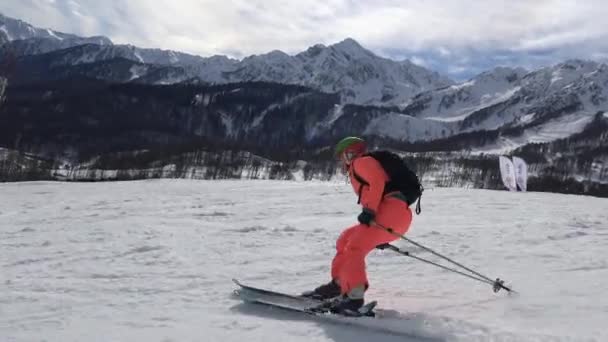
[295, 303]
[277, 294]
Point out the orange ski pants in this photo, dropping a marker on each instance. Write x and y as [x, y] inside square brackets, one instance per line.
[353, 245]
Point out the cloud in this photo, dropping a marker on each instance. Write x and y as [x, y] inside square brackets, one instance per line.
[485, 33]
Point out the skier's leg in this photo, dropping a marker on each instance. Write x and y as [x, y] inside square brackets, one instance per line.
[362, 239]
[332, 289]
[341, 244]
[396, 214]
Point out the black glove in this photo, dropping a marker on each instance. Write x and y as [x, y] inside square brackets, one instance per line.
[366, 216]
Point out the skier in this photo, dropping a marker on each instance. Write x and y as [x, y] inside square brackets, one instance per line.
[388, 208]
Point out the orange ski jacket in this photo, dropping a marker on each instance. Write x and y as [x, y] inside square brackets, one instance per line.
[368, 179]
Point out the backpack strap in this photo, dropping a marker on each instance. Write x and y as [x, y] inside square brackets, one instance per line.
[362, 183]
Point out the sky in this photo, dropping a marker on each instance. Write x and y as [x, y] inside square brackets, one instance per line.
[459, 38]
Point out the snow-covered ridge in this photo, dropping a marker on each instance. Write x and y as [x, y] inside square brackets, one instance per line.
[14, 29]
[533, 107]
[462, 99]
[575, 90]
[345, 67]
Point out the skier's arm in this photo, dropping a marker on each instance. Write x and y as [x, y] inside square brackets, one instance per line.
[369, 170]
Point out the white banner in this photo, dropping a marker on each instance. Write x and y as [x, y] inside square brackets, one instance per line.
[507, 172]
[521, 173]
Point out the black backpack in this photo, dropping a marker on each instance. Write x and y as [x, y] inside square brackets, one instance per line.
[402, 178]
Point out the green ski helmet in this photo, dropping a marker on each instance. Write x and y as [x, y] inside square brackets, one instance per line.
[350, 144]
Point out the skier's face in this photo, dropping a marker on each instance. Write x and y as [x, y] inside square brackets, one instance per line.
[350, 154]
[347, 158]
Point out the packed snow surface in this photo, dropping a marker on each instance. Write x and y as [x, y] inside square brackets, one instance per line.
[153, 261]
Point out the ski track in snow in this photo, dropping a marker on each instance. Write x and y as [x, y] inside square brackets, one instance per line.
[153, 261]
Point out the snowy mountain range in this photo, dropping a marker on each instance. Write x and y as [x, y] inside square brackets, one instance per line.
[427, 106]
[275, 101]
[544, 105]
[346, 67]
[33, 40]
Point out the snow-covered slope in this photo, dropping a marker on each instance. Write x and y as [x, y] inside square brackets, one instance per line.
[408, 128]
[579, 92]
[535, 104]
[35, 46]
[2, 87]
[152, 261]
[457, 101]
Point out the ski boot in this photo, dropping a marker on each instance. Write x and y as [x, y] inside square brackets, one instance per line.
[347, 306]
[324, 292]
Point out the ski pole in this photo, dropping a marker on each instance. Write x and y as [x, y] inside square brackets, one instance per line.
[408, 254]
[497, 284]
